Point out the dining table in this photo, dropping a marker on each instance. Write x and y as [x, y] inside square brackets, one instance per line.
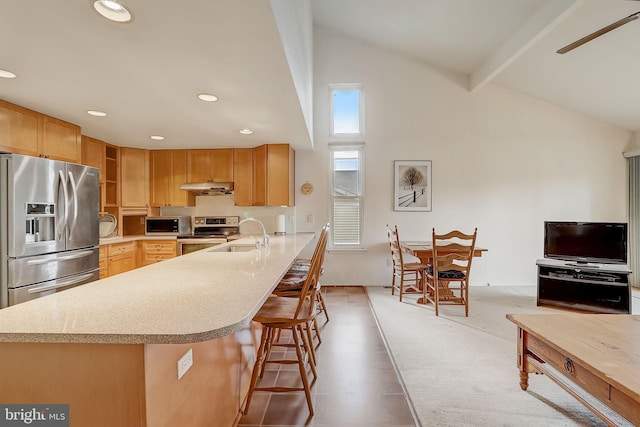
[423, 249]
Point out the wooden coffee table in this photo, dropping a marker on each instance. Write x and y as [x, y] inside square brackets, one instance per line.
[594, 357]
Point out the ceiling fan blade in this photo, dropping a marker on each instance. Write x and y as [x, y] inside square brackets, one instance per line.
[598, 33]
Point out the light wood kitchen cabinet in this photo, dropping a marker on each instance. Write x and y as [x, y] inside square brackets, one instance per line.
[121, 257]
[93, 154]
[243, 176]
[19, 129]
[273, 175]
[112, 175]
[60, 140]
[103, 260]
[210, 165]
[28, 132]
[134, 177]
[157, 250]
[168, 171]
[259, 176]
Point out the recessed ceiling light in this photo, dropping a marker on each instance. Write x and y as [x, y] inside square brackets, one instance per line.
[246, 131]
[113, 10]
[157, 137]
[207, 97]
[96, 113]
[7, 74]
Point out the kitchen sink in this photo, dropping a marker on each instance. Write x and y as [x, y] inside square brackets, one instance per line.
[234, 248]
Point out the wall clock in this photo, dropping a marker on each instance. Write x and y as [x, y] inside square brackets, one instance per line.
[307, 188]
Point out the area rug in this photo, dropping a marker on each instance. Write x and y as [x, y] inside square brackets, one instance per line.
[461, 371]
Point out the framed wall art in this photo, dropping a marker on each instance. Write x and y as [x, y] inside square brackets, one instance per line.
[412, 185]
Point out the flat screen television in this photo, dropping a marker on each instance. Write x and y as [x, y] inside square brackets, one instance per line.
[586, 242]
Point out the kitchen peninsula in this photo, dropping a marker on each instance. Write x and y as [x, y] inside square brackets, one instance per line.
[110, 348]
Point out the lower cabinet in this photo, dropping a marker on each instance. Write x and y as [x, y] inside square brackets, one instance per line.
[102, 264]
[157, 250]
[117, 258]
[121, 257]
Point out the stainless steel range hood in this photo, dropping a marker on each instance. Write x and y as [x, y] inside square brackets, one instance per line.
[208, 188]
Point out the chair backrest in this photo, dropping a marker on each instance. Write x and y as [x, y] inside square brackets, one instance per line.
[307, 293]
[396, 248]
[453, 251]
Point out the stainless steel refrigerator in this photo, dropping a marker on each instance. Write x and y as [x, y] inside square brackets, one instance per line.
[49, 227]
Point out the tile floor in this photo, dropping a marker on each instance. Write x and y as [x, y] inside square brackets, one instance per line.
[357, 384]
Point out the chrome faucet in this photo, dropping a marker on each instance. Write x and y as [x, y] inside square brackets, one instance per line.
[265, 236]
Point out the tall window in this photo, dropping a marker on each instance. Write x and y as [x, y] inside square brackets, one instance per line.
[347, 196]
[347, 166]
[347, 112]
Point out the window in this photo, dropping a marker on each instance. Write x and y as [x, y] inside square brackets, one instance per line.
[347, 193]
[347, 112]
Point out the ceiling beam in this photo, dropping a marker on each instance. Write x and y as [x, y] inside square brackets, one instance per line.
[543, 21]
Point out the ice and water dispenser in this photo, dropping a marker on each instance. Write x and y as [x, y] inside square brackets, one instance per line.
[41, 222]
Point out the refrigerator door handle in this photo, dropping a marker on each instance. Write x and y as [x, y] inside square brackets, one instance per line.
[56, 285]
[63, 223]
[74, 198]
[62, 258]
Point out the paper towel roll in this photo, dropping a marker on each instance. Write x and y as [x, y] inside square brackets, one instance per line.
[280, 224]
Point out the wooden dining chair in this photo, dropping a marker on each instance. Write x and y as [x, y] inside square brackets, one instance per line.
[405, 274]
[447, 279]
[280, 313]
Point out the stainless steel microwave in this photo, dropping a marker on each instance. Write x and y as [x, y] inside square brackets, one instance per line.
[167, 226]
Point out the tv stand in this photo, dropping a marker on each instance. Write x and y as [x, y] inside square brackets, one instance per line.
[600, 288]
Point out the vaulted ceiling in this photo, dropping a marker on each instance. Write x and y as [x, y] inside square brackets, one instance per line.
[146, 74]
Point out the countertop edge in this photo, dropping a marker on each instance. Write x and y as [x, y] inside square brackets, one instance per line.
[19, 335]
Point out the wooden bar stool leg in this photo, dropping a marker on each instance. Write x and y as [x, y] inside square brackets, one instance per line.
[324, 305]
[309, 342]
[297, 336]
[258, 366]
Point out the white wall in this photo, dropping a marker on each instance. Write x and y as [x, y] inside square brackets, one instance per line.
[502, 162]
[295, 25]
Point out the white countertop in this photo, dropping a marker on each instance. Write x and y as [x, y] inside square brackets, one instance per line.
[196, 297]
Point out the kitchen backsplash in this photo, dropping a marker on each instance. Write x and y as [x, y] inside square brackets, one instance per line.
[223, 206]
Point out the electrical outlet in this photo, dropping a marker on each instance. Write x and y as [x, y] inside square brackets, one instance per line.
[185, 362]
[309, 218]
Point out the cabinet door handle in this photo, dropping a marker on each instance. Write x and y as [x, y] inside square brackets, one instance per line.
[568, 365]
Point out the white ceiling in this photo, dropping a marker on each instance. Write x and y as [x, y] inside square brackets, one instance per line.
[512, 43]
[146, 74]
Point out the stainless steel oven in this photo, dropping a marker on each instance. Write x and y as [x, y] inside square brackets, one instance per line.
[208, 231]
[188, 245]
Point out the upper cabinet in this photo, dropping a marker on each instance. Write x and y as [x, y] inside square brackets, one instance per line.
[168, 171]
[210, 165]
[19, 129]
[93, 154]
[60, 140]
[273, 175]
[24, 131]
[243, 176]
[112, 175]
[134, 177]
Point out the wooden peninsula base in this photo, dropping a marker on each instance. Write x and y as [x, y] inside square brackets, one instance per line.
[133, 384]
